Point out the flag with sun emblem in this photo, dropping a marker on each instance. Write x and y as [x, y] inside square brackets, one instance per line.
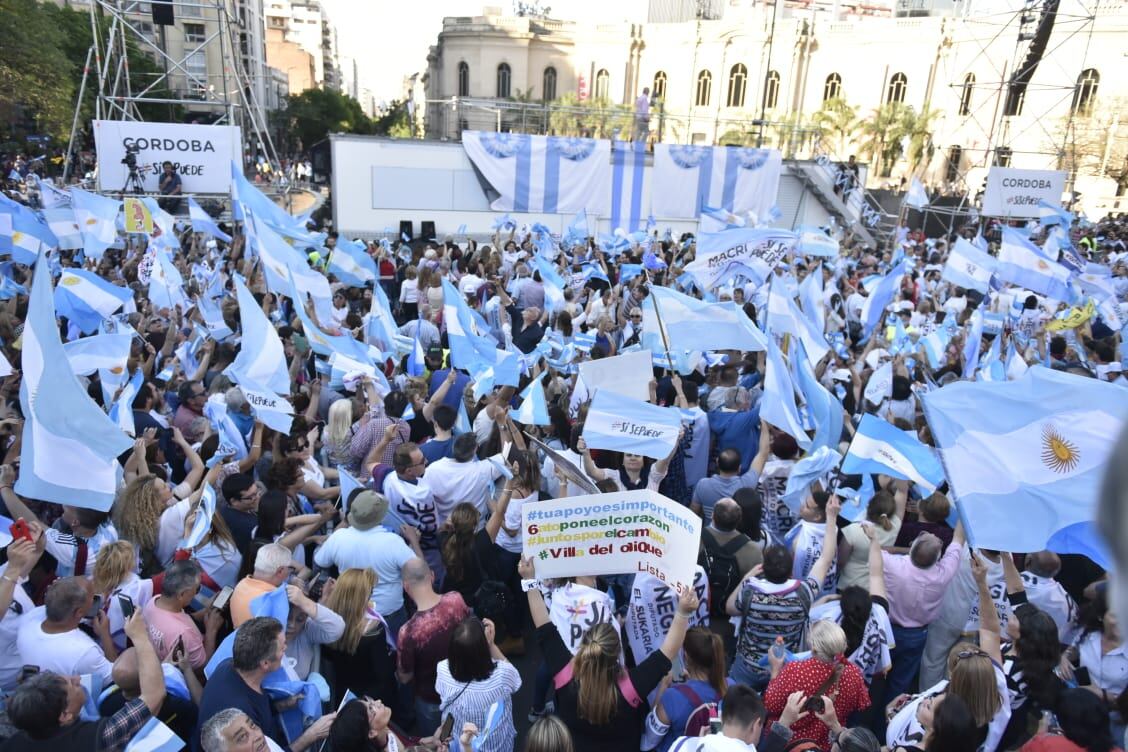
[1025, 458]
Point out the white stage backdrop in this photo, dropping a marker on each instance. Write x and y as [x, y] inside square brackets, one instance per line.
[202, 154]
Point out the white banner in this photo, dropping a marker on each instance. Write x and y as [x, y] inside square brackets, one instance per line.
[1011, 192]
[652, 607]
[615, 533]
[201, 154]
[627, 375]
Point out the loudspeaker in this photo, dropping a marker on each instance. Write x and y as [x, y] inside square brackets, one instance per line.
[427, 230]
[407, 228]
[163, 14]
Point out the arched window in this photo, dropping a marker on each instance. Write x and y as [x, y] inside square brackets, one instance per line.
[548, 85]
[832, 89]
[463, 79]
[602, 85]
[504, 79]
[1085, 95]
[737, 84]
[704, 88]
[898, 87]
[659, 88]
[965, 94]
[771, 90]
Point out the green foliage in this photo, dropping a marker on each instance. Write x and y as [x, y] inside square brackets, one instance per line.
[840, 121]
[37, 80]
[311, 116]
[889, 127]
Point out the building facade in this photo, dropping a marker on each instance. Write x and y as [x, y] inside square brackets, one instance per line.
[717, 79]
[302, 42]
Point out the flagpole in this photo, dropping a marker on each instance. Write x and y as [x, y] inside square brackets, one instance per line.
[662, 330]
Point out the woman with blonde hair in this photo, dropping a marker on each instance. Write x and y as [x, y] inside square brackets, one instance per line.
[137, 517]
[835, 686]
[361, 660]
[338, 434]
[976, 677]
[115, 580]
[595, 697]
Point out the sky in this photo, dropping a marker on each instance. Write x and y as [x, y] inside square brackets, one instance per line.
[389, 43]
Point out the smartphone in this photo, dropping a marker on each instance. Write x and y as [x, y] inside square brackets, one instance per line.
[126, 604]
[220, 601]
[20, 529]
[447, 728]
[1081, 676]
[28, 671]
[715, 725]
[95, 606]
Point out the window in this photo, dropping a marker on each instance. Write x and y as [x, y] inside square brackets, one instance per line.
[548, 85]
[898, 87]
[704, 88]
[771, 90]
[194, 33]
[955, 156]
[659, 88]
[504, 79]
[737, 84]
[832, 89]
[602, 85]
[965, 94]
[1085, 94]
[196, 66]
[463, 79]
[1003, 156]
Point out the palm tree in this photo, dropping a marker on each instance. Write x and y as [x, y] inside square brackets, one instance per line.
[839, 120]
[881, 137]
[917, 128]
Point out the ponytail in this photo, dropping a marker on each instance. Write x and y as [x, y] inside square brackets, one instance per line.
[705, 650]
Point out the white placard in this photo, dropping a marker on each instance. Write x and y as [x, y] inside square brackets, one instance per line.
[202, 154]
[1011, 192]
[628, 375]
[613, 533]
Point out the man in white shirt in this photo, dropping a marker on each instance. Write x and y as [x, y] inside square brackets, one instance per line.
[1047, 594]
[49, 636]
[429, 336]
[22, 557]
[410, 499]
[364, 544]
[463, 477]
[742, 721]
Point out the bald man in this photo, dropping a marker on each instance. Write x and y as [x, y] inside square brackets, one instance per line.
[177, 712]
[1046, 593]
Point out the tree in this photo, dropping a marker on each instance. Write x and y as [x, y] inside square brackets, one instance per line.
[311, 116]
[37, 81]
[1096, 143]
[840, 121]
[915, 129]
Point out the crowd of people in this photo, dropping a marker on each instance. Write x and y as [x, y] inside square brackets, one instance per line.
[316, 615]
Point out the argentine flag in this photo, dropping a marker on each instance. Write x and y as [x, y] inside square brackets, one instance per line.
[102, 351]
[21, 232]
[814, 242]
[261, 359]
[534, 407]
[1024, 264]
[1025, 458]
[623, 424]
[968, 267]
[61, 221]
[154, 736]
[351, 264]
[880, 447]
[70, 447]
[85, 299]
[96, 217]
[690, 324]
[202, 222]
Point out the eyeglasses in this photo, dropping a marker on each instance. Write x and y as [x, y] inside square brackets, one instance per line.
[963, 654]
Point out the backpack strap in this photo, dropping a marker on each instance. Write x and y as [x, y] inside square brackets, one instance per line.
[687, 692]
[735, 544]
[630, 694]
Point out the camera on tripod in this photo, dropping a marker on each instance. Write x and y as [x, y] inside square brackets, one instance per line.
[130, 158]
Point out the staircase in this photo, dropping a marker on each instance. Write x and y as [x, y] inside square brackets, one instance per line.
[858, 212]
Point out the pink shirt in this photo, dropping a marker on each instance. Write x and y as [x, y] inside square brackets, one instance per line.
[164, 629]
[915, 594]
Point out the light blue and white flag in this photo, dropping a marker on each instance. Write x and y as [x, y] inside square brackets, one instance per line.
[778, 404]
[880, 447]
[818, 464]
[166, 285]
[50, 197]
[751, 253]
[154, 736]
[415, 359]
[935, 346]
[102, 351]
[691, 324]
[1032, 450]
[916, 196]
[715, 219]
[261, 359]
[323, 343]
[883, 293]
[542, 174]
[1024, 264]
[811, 298]
[784, 317]
[823, 408]
[97, 220]
[348, 485]
[630, 188]
[968, 267]
[280, 260]
[85, 299]
[202, 222]
[70, 447]
[577, 232]
[23, 234]
[351, 264]
[462, 425]
[554, 284]
[121, 411]
[813, 241]
[61, 221]
[202, 523]
[534, 407]
[273, 411]
[494, 716]
[689, 177]
[623, 424]
[972, 344]
[232, 444]
[472, 351]
[1052, 214]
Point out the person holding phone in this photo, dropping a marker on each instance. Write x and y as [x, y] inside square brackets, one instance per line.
[15, 602]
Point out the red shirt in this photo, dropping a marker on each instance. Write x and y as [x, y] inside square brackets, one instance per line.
[849, 695]
[1053, 743]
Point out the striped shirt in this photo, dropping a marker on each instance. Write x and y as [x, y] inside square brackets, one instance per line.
[768, 610]
[64, 547]
[470, 701]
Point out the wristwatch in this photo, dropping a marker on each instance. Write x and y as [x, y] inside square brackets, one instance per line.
[527, 585]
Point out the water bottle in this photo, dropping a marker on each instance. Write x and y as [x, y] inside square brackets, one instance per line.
[778, 650]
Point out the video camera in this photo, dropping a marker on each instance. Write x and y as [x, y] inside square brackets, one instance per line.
[130, 158]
